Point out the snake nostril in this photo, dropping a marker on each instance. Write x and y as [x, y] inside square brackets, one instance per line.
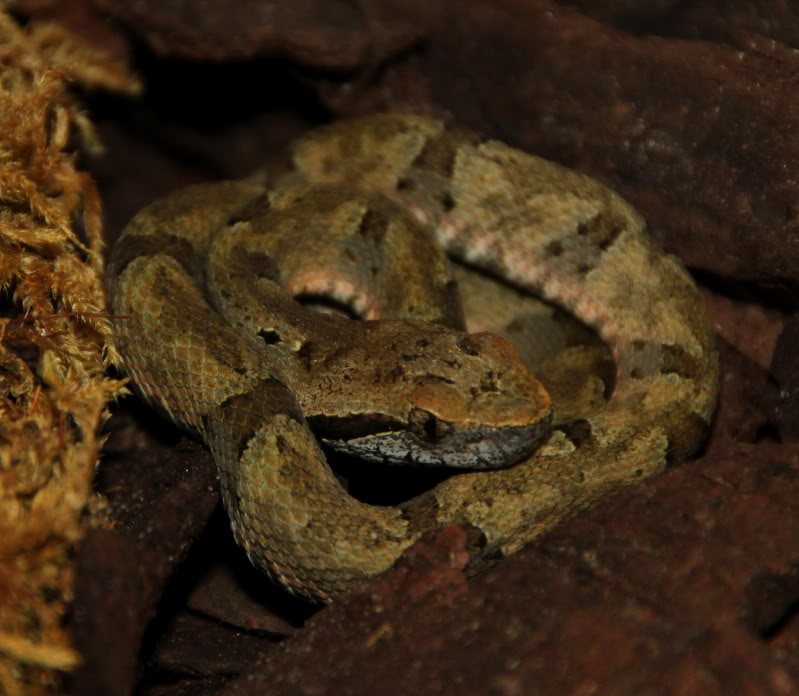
[469, 345]
[447, 201]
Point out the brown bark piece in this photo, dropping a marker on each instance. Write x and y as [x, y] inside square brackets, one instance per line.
[220, 594]
[200, 647]
[747, 400]
[749, 326]
[329, 34]
[160, 500]
[669, 584]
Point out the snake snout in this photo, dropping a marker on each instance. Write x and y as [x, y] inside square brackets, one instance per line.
[491, 387]
[478, 430]
[448, 426]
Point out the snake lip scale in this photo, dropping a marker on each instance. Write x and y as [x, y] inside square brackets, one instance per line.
[380, 215]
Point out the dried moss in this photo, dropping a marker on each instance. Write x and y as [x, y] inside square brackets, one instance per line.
[55, 340]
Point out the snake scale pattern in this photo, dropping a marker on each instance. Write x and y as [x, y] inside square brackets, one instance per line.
[372, 215]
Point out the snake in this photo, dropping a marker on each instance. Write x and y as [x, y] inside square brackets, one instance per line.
[314, 307]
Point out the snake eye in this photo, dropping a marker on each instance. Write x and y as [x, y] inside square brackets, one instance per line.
[425, 426]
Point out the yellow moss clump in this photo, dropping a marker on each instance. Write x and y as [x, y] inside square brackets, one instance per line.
[54, 340]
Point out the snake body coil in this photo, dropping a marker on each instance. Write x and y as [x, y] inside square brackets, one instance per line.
[359, 212]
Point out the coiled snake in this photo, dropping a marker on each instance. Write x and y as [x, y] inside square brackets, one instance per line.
[358, 212]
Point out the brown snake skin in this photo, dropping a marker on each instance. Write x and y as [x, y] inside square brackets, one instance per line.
[358, 212]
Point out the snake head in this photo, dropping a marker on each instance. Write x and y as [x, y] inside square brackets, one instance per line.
[462, 400]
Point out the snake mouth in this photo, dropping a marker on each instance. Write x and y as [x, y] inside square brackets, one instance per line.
[441, 444]
[353, 426]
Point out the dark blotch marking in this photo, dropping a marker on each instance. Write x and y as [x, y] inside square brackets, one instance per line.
[468, 346]
[243, 443]
[423, 342]
[438, 153]
[554, 249]
[637, 346]
[406, 184]
[447, 201]
[259, 264]
[605, 244]
[584, 268]
[270, 336]
[251, 210]
[516, 326]
[132, 246]
[437, 156]
[578, 432]
[603, 230]
[679, 362]
[305, 354]
[373, 225]
[487, 384]
[673, 360]
[256, 407]
[253, 410]
[281, 444]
